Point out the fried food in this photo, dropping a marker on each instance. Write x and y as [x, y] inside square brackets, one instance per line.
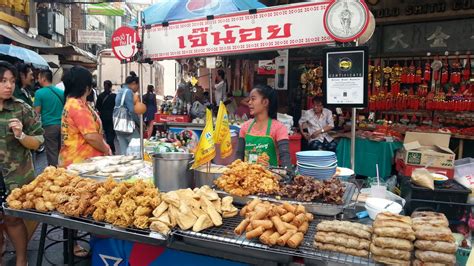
[394, 243]
[242, 179]
[439, 246]
[341, 249]
[437, 257]
[352, 229]
[341, 239]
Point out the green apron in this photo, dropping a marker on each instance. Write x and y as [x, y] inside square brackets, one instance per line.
[256, 147]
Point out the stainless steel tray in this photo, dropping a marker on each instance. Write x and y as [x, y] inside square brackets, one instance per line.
[315, 207]
[89, 225]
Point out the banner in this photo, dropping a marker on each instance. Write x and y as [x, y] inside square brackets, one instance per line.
[205, 150]
[105, 9]
[272, 28]
[222, 133]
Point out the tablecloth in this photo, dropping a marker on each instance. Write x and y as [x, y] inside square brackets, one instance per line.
[368, 153]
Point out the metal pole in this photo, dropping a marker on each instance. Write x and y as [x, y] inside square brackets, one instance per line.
[140, 90]
[353, 130]
[353, 137]
[210, 86]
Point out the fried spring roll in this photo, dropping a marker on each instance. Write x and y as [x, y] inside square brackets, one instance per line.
[295, 240]
[290, 226]
[284, 238]
[265, 237]
[243, 211]
[299, 219]
[273, 239]
[255, 233]
[303, 228]
[280, 227]
[252, 204]
[300, 209]
[260, 214]
[289, 207]
[309, 217]
[287, 217]
[266, 224]
[281, 210]
[241, 227]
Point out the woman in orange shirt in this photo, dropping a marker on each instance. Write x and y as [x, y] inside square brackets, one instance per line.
[81, 128]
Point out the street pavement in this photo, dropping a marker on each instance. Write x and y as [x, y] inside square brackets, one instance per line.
[54, 254]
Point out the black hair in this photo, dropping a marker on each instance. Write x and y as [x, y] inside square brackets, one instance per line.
[132, 78]
[269, 93]
[108, 84]
[46, 73]
[76, 81]
[5, 66]
[150, 88]
[22, 68]
[317, 99]
[221, 73]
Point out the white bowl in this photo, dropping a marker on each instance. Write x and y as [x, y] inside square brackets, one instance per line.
[375, 206]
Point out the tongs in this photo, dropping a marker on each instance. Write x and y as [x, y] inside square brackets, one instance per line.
[284, 173]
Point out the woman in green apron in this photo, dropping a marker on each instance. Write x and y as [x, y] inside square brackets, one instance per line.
[264, 139]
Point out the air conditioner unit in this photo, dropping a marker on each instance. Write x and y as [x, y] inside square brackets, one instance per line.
[45, 22]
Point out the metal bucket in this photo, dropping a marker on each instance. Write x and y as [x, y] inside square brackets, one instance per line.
[202, 177]
[171, 170]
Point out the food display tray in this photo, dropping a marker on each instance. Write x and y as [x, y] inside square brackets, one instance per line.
[224, 238]
[89, 225]
[315, 207]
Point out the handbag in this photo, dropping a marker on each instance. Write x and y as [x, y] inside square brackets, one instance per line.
[122, 119]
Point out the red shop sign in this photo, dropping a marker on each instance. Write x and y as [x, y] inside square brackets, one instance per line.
[124, 43]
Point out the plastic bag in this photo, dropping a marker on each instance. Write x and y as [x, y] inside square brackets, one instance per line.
[422, 177]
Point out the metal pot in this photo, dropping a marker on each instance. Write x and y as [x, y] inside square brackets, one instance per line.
[202, 177]
[171, 171]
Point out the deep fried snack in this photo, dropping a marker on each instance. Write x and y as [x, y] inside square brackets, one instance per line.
[340, 239]
[266, 224]
[255, 233]
[341, 249]
[279, 225]
[295, 240]
[391, 261]
[273, 239]
[265, 237]
[394, 243]
[433, 256]
[440, 246]
[395, 232]
[284, 238]
[353, 229]
[390, 252]
[241, 227]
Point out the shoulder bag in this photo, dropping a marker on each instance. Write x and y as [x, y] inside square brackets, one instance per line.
[122, 119]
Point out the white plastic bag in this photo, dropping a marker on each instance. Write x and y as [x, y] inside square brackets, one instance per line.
[287, 120]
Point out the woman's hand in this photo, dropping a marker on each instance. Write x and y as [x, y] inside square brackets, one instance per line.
[16, 126]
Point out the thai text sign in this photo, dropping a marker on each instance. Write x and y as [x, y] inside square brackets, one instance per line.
[269, 29]
[91, 36]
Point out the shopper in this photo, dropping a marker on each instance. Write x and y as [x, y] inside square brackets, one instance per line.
[264, 139]
[315, 125]
[105, 106]
[20, 133]
[220, 89]
[127, 91]
[24, 83]
[149, 99]
[81, 127]
[49, 102]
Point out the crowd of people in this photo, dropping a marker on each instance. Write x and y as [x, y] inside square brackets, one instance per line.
[65, 122]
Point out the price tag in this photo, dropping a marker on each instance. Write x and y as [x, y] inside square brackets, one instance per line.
[156, 235]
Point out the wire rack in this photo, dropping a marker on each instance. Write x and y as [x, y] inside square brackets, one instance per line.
[224, 234]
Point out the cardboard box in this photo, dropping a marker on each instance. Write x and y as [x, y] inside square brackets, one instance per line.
[421, 149]
[407, 170]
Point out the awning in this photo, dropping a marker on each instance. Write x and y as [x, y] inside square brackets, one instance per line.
[72, 51]
[19, 37]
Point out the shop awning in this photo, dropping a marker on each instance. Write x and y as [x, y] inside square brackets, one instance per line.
[71, 51]
[19, 37]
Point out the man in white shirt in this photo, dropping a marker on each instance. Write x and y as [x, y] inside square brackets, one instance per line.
[220, 89]
[315, 125]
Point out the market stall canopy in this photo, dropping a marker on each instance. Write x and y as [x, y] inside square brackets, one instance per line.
[172, 10]
[19, 37]
[23, 54]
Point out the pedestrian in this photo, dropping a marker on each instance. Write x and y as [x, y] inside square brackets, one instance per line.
[149, 99]
[220, 87]
[105, 106]
[315, 124]
[25, 80]
[49, 103]
[20, 133]
[81, 127]
[125, 98]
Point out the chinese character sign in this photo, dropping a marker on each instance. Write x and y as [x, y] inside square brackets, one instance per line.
[269, 29]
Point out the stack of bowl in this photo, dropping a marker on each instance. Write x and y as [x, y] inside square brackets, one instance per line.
[317, 164]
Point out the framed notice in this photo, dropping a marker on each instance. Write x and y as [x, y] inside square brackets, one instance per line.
[345, 77]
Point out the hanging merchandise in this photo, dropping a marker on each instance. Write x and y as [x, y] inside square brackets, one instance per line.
[418, 74]
[444, 72]
[411, 73]
[466, 73]
[222, 134]
[404, 75]
[205, 150]
[395, 79]
[456, 72]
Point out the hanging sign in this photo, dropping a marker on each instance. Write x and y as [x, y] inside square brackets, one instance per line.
[345, 76]
[346, 20]
[273, 28]
[124, 43]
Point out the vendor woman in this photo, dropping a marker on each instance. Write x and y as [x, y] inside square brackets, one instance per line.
[264, 139]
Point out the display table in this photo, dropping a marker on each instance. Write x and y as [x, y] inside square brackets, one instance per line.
[367, 154]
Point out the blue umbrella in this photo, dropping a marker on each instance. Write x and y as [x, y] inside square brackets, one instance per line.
[172, 10]
[24, 54]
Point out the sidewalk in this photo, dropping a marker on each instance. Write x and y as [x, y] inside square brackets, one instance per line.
[54, 254]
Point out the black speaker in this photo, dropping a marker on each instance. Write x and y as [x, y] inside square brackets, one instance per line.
[45, 22]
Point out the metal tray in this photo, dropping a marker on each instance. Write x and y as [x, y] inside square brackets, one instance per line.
[315, 207]
[89, 225]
